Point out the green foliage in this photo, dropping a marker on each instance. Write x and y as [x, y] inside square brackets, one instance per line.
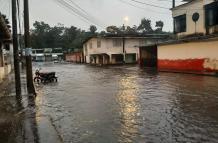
[145, 26]
[159, 25]
[6, 21]
[45, 36]
[93, 29]
[70, 38]
[113, 29]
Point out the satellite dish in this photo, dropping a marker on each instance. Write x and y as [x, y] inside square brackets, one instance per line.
[195, 17]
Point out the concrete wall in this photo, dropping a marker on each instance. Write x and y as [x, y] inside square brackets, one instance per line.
[189, 10]
[76, 57]
[200, 56]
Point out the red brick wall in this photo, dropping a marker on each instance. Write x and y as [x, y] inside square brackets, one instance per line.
[76, 57]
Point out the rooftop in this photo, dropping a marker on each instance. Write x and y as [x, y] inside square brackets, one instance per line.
[131, 36]
[196, 38]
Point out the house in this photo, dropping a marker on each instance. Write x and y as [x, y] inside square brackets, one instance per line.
[195, 49]
[5, 49]
[115, 48]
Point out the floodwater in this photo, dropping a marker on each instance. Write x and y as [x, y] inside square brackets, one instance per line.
[125, 104]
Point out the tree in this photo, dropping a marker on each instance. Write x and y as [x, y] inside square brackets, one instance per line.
[93, 29]
[7, 22]
[113, 29]
[159, 25]
[131, 30]
[145, 26]
[45, 36]
[39, 35]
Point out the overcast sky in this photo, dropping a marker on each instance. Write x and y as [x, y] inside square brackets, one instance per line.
[101, 13]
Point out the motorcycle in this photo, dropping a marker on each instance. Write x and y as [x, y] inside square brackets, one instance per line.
[45, 77]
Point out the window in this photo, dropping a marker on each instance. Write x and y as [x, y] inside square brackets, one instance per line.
[90, 45]
[180, 23]
[99, 43]
[117, 43]
[211, 14]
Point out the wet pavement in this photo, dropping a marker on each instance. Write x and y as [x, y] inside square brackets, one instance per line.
[125, 104]
[18, 118]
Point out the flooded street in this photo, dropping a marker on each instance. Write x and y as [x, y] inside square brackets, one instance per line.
[125, 104]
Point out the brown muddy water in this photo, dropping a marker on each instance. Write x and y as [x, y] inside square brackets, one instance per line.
[125, 104]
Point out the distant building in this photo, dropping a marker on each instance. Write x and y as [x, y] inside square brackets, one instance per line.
[195, 50]
[38, 55]
[47, 54]
[116, 49]
[57, 54]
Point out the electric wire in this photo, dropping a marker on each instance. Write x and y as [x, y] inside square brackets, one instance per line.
[77, 12]
[145, 9]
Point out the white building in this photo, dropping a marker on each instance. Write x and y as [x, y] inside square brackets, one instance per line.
[116, 49]
[196, 16]
[196, 50]
[47, 54]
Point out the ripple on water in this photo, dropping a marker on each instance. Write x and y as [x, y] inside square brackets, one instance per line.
[125, 105]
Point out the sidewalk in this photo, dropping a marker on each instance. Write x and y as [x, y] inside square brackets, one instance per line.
[19, 121]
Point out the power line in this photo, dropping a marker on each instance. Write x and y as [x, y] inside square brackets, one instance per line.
[150, 4]
[85, 12]
[125, 2]
[64, 7]
[77, 12]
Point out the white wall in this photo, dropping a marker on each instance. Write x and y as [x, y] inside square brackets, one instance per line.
[189, 10]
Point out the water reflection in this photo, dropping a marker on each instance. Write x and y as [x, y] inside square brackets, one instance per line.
[129, 109]
[128, 105]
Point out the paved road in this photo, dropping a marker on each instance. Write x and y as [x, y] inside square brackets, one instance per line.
[129, 105]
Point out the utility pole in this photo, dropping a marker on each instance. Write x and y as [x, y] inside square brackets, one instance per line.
[173, 6]
[15, 47]
[29, 72]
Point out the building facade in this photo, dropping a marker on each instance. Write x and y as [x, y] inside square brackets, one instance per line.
[195, 16]
[115, 49]
[47, 54]
[195, 50]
